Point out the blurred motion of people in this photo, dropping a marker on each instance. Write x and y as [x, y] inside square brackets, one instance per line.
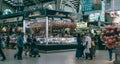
[20, 46]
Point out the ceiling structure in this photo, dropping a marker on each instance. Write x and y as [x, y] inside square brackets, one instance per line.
[60, 5]
[73, 5]
[63, 5]
[25, 2]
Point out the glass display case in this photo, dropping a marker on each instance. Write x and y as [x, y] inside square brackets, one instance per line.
[51, 33]
[58, 32]
[57, 40]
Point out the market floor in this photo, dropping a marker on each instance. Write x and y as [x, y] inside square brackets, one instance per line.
[57, 58]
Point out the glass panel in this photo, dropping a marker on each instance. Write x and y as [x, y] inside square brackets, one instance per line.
[61, 31]
[37, 29]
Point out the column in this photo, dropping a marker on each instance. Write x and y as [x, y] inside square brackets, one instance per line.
[57, 4]
[78, 7]
[46, 31]
[1, 1]
[102, 13]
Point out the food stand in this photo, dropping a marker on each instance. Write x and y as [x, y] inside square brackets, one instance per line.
[53, 30]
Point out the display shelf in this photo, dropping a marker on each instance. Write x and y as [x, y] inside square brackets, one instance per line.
[50, 47]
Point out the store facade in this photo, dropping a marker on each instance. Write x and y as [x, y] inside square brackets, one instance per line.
[53, 30]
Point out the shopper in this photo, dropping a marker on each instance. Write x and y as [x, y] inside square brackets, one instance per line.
[3, 41]
[83, 44]
[28, 44]
[1, 52]
[110, 49]
[79, 47]
[93, 46]
[7, 41]
[88, 49]
[100, 43]
[20, 45]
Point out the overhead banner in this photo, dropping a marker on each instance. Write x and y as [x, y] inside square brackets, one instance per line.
[90, 5]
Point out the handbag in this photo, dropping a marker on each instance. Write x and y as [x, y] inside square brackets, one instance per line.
[87, 50]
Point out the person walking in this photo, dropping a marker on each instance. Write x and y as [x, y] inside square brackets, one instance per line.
[88, 49]
[1, 52]
[28, 44]
[7, 41]
[20, 45]
[110, 51]
[79, 46]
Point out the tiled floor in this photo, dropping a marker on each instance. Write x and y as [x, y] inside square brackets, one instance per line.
[57, 58]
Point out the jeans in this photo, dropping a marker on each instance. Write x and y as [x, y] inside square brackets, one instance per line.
[19, 54]
[110, 53]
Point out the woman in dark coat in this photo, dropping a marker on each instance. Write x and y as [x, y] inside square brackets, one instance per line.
[79, 47]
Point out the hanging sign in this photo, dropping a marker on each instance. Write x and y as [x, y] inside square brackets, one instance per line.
[90, 5]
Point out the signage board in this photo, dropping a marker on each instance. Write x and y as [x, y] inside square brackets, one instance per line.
[90, 5]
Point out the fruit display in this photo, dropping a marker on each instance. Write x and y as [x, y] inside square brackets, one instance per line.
[110, 35]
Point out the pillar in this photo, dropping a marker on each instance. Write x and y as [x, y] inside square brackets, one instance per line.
[57, 4]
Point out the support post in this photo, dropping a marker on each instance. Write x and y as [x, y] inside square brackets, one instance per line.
[47, 31]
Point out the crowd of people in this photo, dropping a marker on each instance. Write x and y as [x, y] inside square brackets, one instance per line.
[87, 45]
[30, 46]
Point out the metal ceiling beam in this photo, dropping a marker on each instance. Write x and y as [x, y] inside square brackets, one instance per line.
[78, 7]
[57, 4]
[1, 2]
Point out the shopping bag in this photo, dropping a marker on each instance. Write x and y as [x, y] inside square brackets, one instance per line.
[87, 50]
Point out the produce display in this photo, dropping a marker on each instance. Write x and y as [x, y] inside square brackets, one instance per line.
[110, 35]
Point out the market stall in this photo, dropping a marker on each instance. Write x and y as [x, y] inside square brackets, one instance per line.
[52, 32]
[53, 29]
